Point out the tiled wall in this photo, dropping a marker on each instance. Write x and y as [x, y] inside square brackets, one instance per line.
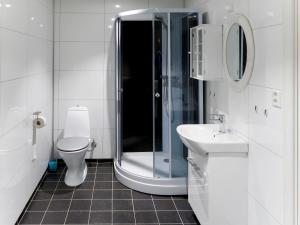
[26, 85]
[267, 187]
[84, 62]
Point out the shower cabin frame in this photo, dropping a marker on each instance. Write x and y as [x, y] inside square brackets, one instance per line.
[153, 185]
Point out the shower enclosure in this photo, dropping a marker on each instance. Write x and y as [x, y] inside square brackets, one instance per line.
[154, 94]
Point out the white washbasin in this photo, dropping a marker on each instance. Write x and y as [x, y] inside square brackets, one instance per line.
[205, 138]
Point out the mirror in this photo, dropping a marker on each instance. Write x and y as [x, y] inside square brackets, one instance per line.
[238, 51]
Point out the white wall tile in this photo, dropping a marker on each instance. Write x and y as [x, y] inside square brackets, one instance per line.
[266, 180]
[166, 3]
[26, 54]
[268, 67]
[239, 111]
[109, 85]
[265, 12]
[265, 130]
[109, 143]
[13, 53]
[82, 6]
[80, 84]
[109, 114]
[258, 215]
[57, 6]
[13, 103]
[81, 56]
[82, 27]
[112, 6]
[14, 15]
[109, 26]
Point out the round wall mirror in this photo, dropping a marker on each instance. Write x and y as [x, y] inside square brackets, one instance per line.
[238, 51]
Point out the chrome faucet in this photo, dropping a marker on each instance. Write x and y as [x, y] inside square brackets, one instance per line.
[220, 118]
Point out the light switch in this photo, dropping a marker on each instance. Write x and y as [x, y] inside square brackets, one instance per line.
[276, 99]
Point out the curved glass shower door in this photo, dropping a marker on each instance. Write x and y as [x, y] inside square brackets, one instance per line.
[154, 96]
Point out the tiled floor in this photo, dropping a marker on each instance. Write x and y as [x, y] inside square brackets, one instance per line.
[101, 199]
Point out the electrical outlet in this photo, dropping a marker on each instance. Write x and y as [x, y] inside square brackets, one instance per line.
[276, 99]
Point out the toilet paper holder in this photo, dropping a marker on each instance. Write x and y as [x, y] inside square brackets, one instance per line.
[37, 122]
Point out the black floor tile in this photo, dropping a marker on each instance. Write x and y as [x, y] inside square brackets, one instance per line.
[164, 205]
[143, 205]
[32, 218]
[140, 195]
[38, 205]
[83, 194]
[100, 217]
[102, 200]
[122, 194]
[43, 195]
[91, 164]
[90, 177]
[77, 217]
[101, 205]
[188, 216]
[52, 177]
[59, 205]
[103, 185]
[123, 217]
[63, 194]
[168, 217]
[122, 205]
[62, 186]
[182, 205]
[54, 218]
[146, 217]
[92, 170]
[102, 194]
[48, 186]
[105, 164]
[119, 186]
[103, 177]
[88, 185]
[81, 205]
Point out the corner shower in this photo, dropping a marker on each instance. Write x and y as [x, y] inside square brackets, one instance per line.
[154, 94]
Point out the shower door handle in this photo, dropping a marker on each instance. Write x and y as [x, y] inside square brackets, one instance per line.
[157, 95]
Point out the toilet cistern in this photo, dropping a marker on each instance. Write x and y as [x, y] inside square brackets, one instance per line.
[220, 118]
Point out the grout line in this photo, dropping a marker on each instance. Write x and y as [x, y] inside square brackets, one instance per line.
[112, 198]
[177, 210]
[92, 194]
[133, 206]
[155, 209]
[51, 197]
[69, 205]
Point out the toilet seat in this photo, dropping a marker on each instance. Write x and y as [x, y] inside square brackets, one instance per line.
[72, 144]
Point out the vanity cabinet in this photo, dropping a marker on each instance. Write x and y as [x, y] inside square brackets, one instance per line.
[217, 187]
[206, 52]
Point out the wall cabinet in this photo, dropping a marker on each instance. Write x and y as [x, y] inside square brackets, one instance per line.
[206, 52]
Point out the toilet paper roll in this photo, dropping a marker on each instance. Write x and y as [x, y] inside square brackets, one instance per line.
[39, 122]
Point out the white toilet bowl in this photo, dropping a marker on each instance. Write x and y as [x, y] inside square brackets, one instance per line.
[74, 145]
[72, 150]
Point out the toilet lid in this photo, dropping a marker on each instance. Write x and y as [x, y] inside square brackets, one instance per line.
[70, 144]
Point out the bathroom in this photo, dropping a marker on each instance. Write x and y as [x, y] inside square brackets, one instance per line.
[143, 142]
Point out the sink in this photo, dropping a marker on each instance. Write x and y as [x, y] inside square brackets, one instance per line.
[205, 138]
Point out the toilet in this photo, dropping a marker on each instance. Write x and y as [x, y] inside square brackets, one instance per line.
[74, 144]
